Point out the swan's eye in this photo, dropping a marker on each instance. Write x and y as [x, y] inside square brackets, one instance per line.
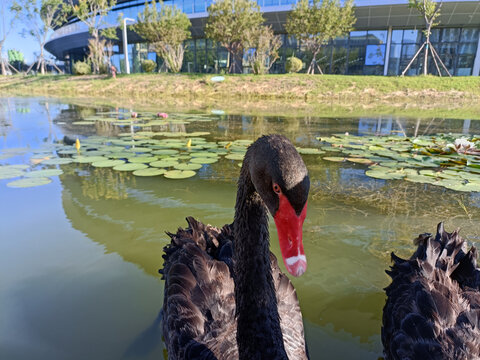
[276, 188]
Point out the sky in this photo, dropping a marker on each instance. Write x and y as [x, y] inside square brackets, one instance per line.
[27, 45]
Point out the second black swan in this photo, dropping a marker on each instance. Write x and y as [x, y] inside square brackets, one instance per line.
[433, 303]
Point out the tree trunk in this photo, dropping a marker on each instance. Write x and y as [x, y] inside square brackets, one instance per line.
[235, 58]
[42, 61]
[2, 61]
[425, 60]
[313, 63]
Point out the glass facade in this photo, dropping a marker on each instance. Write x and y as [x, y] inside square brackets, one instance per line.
[361, 52]
[455, 46]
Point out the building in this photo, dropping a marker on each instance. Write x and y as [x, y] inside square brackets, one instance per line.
[387, 35]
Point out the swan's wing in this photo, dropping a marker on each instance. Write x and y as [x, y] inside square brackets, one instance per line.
[199, 303]
[290, 314]
[433, 303]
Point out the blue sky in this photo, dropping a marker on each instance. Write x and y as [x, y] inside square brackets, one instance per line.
[27, 45]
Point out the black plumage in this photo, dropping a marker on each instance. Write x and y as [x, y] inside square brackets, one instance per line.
[225, 296]
[433, 303]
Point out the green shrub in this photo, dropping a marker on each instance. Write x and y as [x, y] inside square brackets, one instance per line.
[103, 68]
[149, 66]
[293, 64]
[82, 68]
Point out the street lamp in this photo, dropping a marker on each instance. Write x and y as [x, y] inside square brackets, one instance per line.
[125, 49]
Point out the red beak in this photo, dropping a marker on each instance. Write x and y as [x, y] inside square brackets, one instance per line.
[289, 228]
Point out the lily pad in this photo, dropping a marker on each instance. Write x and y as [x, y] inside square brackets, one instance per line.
[310, 151]
[334, 158]
[164, 163]
[83, 122]
[10, 173]
[57, 161]
[204, 154]
[204, 160]
[165, 152]
[142, 159]
[188, 166]
[179, 174]
[29, 182]
[149, 172]
[44, 173]
[360, 161]
[107, 163]
[87, 159]
[68, 151]
[130, 167]
[235, 156]
[384, 173]
[15, 166]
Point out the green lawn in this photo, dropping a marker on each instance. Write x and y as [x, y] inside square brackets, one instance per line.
[352, 91]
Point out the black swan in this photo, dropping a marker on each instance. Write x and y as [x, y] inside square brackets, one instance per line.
[433, 305]
[225, 296]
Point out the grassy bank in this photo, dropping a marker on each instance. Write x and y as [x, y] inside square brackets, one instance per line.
[299, 93]
[290, 86]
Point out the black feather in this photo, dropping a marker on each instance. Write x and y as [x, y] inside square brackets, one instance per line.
[433, 303]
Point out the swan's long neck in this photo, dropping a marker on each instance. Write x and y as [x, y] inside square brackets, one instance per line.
[259, 335]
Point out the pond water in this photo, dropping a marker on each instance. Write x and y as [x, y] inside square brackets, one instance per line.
[79, 256]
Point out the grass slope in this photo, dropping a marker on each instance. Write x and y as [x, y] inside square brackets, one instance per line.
[247, 87]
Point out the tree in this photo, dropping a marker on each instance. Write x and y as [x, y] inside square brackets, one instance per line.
[109, 34]
[5, 28]
[263, 46]
[92, 13]
[166, 30]
[429, 10]
[40, 18]
[228, 23]
[15, 58]
[318, 22]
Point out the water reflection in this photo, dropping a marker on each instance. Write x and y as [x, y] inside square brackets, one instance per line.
[89, 271]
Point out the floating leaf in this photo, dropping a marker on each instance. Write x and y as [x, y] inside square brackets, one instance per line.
[237, 156]
[87, 159]
[379, 172]
[203, 154]
[204, 160]
[29, 182]
[149, 172]
[164, 163]
[15, 166]
[83, 123]
[67, 152]
[188, 166]
[57, 161]
[44, 173]
[420, 178]
[360, 161]
[107, 163]
[334, 158]
[142, 159]
[165, 152]
[129, 167]
[179, 174]
[10, 173]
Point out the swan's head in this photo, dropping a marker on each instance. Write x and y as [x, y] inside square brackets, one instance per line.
[281, 178]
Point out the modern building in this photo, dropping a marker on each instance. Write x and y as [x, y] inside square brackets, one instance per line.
[387, 35]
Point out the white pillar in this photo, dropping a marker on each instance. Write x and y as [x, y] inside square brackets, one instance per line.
[476, 64]
[387, 51]
[125, 48]
[125, 44]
